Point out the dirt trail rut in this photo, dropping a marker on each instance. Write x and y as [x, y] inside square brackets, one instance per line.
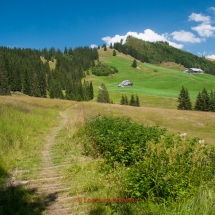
[50, 179]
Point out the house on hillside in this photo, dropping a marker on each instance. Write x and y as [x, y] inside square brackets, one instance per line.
[194, 71]
[125, 83]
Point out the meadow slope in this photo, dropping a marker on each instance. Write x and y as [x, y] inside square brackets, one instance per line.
[153, 83]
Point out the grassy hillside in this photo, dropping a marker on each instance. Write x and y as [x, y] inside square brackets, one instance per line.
[26, 123]
[161, 82]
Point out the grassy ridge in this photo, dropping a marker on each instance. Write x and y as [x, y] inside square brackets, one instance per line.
[166, 82]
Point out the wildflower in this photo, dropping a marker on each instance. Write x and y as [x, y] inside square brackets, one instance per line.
[183, 135]
[201, 142]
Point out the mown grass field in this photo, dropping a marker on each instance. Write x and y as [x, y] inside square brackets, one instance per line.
[150, 82]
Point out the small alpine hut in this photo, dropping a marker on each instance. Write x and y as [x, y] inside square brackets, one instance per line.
[194, 71]
[125, 83]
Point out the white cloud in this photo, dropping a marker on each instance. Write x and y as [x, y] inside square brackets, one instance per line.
[148, 35]
[185, 36]
[176, 45]
[211, 56]
[212, 8]
[204, 30]
[93, 46]
[199, 18]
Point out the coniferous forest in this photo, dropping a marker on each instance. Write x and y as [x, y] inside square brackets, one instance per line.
[23, 70]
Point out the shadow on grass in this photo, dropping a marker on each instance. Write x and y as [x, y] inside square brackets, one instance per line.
[118, 209]
[18, 200]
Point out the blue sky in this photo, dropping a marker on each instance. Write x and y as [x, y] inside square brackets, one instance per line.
[188, 25]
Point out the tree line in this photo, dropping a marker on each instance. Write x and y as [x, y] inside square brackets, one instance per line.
[134, 100]
[204, 101]
[23, 70]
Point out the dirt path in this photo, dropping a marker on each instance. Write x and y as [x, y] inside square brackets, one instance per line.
[49, 179]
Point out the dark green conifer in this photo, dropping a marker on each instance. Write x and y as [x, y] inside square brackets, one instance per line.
[212, 101]
[137, 101]
[4, 86]
[91, 92]
[132, 101]
[184, 100]
[122, 101]
[205, 100]
[198, 103]
[114, 52]
[134, 64]
[103, 95]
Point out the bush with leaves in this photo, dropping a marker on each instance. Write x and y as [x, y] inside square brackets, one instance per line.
[173, 168]
[102, 69]
[118, 139]
[159, 166]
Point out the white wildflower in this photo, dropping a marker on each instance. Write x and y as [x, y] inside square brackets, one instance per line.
[201, 142]
[183, 135]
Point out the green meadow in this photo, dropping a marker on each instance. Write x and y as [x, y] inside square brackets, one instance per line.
[150, 80]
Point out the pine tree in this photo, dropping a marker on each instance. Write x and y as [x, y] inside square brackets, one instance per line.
[198, 104]
[91, 93]
[187, 99]
[111, 46]
[103, 95]
[212, 101]
[134, 64]
[65, 50]
[184, 100]
[26, 83]
[4, 86]
[114, 52]
[205, 100]
[137, 101]
[122, 101]
[132, 101]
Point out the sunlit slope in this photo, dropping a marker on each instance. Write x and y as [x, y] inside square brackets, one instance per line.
[150, 79]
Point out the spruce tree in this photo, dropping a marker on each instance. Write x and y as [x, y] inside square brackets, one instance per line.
[114, 52]
[122, 101]
[91, 93]
[4, 86]
[187, 99]
[137, 102]
[198, 103]
[26, 83]
[134, 64]
[212, 101]
[184, 100]
[132, 101]
[103, 95]
[205, 100]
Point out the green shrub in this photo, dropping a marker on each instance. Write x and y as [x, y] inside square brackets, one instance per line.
[119, 140]
[159, 167]
[173, 168]
[102, 69]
